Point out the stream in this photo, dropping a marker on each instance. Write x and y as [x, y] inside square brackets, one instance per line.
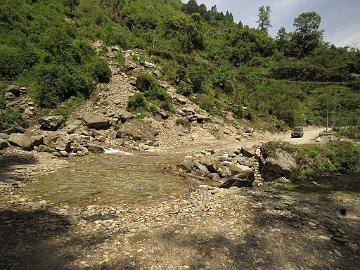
[110, 180]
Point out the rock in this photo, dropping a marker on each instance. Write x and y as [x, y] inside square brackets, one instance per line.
[138, 131]
[96, 121]
[179, 100]
[25, 141]
[4, 136]
[243, 179]
[95, 149]
[126, 116]
[13, 89]
[281, 164]
[211, 164]
[198, 118]
[9, 96]
[164, 115]
[187, 165]
[248, 152]
[352, 246]
[201, 167]
[223, 171]
[3, 144]
[149, 65]
[214, 177]
[64, 153]
[58, 142]
[45, 148]
[51, 123]
[236, 169]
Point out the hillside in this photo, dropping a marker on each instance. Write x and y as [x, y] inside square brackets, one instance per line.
[228, 69]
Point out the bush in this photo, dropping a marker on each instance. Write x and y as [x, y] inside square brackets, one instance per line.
[120, 60]
[183, 122]
[56, 84]
[100, 70]
[12, 117]
[137, 103]
[146, 82]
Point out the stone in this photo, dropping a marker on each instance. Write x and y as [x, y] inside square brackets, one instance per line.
[3, 144]
[13, 89]
[211, 164]
[64, 153]
[58, 142]
[149, 65]
[96, 121]
[126, 116]
[214, 177]
[138, 131]
[248, 152]
[164, 115]
[4, 136]
[280, 164]
[9, 96]
[51, 123]
[236, 169]
[198, 118]
[201, 167]
[243, 179]
[45, 148]
[95, 149]
[223, 171]
[25, 141]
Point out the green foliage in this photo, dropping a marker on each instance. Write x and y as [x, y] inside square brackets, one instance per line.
[137, 104]
[183, 122]
[100, 71]
[120, 60]
[264, 18]
[11, 117]
[146, 82]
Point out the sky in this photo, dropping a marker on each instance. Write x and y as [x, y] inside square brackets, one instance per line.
[340, 18]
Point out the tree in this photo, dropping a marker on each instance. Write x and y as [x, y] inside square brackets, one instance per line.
[282, 39]
[191, 7]
[307, 35]
[71, 4]
[264, 18]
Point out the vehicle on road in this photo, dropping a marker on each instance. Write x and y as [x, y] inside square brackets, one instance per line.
[297, 132]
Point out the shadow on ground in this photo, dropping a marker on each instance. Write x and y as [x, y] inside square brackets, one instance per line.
[9, 162]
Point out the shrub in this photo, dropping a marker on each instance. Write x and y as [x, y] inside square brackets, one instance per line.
[183, 122]
[137, 103]
[56, 84]
[120, 60]
[100, 70]
[12, 117]
[146, 82]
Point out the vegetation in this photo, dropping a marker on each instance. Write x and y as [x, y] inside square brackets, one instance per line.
[222, 65]
[317, 159]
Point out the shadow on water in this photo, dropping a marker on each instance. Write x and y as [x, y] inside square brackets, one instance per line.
[9, 162]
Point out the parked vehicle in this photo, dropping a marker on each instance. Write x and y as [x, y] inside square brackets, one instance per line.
[297, 132]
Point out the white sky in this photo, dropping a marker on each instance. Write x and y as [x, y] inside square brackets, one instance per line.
[340, 18]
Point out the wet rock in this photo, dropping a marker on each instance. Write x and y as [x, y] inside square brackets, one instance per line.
[51, 123]
[96, 121]
[25, 141]
[3, 144]
[95, 149]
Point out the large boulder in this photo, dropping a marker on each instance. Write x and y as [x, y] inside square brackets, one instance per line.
[137, 130]
[276, 165]
[25, 141]
[95, 149]
[58, 142]
[211, 163]
[96, 121]
[51, 123]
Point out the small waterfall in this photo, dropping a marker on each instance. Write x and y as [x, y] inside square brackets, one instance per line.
[112, 151]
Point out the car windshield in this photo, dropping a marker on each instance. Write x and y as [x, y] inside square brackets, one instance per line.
[297, 129]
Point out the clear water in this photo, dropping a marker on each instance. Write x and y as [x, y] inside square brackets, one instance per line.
[110, 180]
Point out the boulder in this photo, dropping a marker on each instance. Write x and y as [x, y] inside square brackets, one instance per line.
[58, 142]
[280, 164]
[126, 116]
[95, 149]
[45, 148]
[137, 130]
[25, 141]
[238, 181]
[187, 165]
[3, 144]
[211, 164]
[96, 121]
[248, 152]
[240, 170]
[13, 89]
[51, 123]
[198, 118]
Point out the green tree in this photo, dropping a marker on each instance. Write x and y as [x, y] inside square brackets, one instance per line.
[264, 18]
[71, 4]
[307, 35]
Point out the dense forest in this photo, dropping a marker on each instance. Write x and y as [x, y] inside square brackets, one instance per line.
[225, 66]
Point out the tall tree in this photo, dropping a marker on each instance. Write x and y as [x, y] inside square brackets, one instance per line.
[191, 7]
[307, 35]
[264, 18]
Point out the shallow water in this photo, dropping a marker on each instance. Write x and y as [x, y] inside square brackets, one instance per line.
[110, 180]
